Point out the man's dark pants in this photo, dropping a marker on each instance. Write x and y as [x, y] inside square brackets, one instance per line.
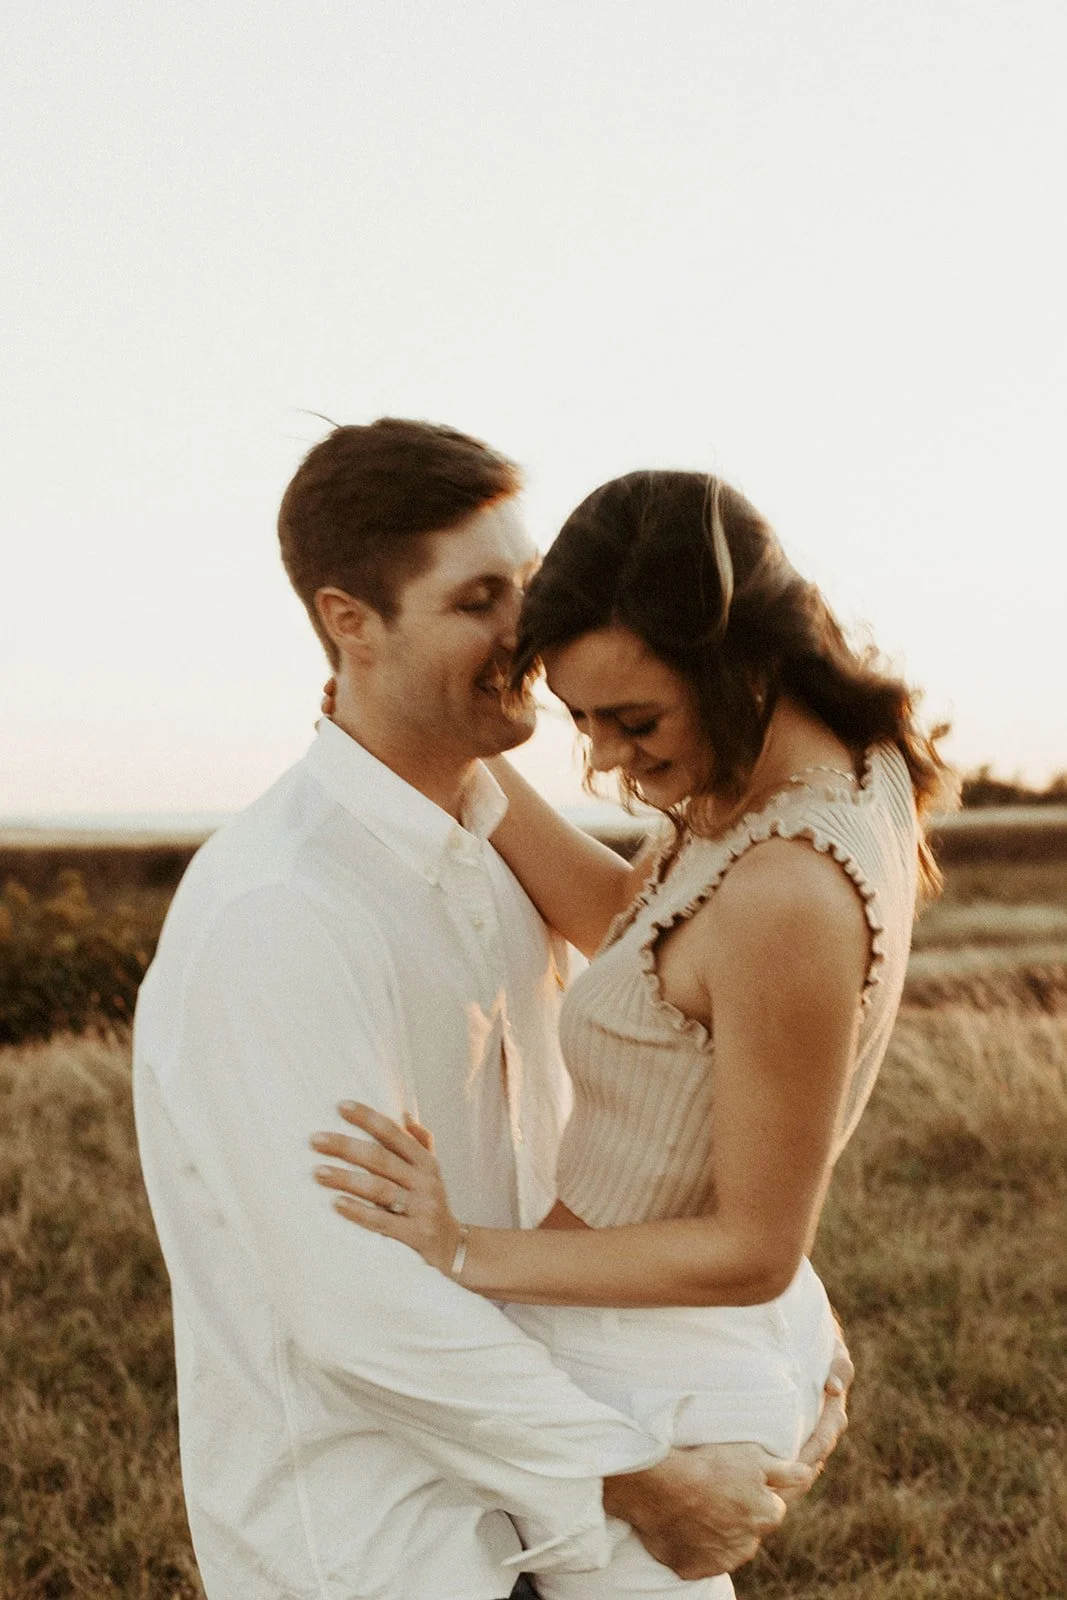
[523, 1590]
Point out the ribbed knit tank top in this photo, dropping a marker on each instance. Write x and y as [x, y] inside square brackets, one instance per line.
[639, 1144]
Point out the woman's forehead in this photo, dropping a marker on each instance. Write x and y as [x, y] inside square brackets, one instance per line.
[609, 669]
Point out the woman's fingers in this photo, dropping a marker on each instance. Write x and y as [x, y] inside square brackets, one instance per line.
[380, 1192]
[394, 1197]
[401, 1197]
[842, 1371]
[387, 1132]
[375, 1220]
[827, 1433]
[362, 1153]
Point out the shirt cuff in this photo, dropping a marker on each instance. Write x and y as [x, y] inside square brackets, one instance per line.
[586, 1547]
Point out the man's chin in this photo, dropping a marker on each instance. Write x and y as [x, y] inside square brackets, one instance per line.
[515, 725]
[512, 720]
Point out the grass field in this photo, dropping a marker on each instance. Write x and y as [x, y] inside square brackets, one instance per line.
[944, 1245]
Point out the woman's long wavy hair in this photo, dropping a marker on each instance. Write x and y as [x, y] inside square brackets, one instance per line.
[686, 563]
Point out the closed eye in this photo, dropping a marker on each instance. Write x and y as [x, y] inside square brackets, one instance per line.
[637, 730]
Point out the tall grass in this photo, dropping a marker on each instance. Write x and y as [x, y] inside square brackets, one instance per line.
[90, 1499]
[943, 1246]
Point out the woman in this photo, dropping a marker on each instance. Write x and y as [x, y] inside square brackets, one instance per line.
[745, 976]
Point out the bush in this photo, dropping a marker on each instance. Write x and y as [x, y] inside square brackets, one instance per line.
[982, 788]
[67, 964]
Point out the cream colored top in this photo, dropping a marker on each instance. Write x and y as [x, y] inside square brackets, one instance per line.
[640, 1139]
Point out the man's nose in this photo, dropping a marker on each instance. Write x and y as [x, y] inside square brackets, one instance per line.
[510, 608]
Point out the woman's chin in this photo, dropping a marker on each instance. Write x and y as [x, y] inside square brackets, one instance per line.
[663, 788]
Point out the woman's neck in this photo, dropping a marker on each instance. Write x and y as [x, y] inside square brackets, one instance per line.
[798, 747]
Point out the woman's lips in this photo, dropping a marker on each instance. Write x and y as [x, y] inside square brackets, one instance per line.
[650, 772]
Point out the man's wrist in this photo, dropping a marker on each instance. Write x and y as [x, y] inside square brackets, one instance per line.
[634, 1496]
[700, 1511]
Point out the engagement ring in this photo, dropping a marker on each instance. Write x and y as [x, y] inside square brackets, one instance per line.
[399, 1207]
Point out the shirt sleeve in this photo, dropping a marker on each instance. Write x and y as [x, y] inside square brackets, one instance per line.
[274, 1028]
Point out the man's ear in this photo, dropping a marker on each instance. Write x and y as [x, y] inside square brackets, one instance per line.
[353, 625]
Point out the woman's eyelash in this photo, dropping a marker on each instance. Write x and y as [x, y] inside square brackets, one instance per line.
[639, 731]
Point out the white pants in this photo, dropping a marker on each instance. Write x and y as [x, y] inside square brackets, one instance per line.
[690, 1375]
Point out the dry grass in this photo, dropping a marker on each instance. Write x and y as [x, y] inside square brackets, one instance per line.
[995, 880]
[948, 925]
[945, 1248]
[943, 1245]
[89, 1490]
[997, 941]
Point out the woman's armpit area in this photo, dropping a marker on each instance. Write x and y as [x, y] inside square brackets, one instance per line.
[678, 955]
[561, 1217]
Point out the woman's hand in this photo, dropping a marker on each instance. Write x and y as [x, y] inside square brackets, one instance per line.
[329, 696]
[398, 1187]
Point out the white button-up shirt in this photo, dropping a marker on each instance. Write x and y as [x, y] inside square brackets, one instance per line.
[353, 1423]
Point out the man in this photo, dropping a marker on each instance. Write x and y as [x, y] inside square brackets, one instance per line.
[354, 1423]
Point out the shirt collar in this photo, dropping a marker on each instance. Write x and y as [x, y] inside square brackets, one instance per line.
[402, 818]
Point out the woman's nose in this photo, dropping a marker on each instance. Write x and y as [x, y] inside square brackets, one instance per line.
[608, 749]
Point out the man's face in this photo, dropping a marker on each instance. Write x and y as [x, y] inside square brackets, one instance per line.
[440, 675]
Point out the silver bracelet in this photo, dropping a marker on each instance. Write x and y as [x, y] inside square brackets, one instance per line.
[460, 1256]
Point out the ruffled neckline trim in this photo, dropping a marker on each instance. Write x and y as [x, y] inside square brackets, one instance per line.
[785, 814]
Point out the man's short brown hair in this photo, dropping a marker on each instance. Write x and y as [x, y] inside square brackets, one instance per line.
[358, 511]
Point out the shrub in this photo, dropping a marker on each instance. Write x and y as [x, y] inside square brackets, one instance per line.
[66, 963]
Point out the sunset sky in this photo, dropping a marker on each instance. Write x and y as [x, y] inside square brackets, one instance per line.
[820, 247]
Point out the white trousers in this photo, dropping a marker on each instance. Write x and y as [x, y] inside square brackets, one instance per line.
[690, 1375]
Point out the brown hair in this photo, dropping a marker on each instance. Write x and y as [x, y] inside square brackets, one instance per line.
[363, 501]
[686, 563]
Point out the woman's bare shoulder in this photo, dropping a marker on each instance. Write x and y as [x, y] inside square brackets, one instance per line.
[781, 892]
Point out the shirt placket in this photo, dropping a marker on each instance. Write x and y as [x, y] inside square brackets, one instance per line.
[481, 919]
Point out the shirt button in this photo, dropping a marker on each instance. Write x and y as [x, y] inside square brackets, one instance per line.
[479, 923]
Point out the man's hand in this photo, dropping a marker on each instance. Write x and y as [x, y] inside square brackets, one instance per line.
[706, 1510]
[833, 1418]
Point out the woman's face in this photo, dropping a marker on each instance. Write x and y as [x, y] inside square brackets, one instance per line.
[639, 715]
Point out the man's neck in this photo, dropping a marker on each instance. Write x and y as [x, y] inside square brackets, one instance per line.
[442, 778]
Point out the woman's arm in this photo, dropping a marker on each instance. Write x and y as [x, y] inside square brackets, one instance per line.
[785, 947]
[577, 884]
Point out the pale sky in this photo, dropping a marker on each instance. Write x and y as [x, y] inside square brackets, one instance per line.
[818, 246]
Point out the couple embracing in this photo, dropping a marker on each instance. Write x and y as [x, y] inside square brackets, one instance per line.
[557, 1334]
